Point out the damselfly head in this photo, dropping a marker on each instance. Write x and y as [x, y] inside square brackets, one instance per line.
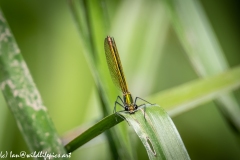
[131, 108]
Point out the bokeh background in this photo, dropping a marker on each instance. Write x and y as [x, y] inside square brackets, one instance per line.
[49, 41]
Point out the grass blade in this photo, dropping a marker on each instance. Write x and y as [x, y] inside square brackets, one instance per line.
[157, 133]
[93, 131]
[202, 47]
[83, 12]
[23, 97]
[182, 98]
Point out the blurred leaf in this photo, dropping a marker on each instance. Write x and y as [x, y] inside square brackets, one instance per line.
[140, 45]
[201, 45]
[23, 97]
[182, 98]
[86, 15]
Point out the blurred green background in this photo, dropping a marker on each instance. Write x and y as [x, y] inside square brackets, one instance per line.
[49, 41]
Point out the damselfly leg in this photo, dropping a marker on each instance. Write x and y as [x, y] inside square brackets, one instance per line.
[144, 109]
[116, 102]
[142, 100]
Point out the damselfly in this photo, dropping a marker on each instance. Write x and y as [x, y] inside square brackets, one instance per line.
[116, 70]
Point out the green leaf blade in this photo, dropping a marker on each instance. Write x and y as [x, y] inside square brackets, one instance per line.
[187, 96]
[157, 133]
[23, 97]
[93, 132]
